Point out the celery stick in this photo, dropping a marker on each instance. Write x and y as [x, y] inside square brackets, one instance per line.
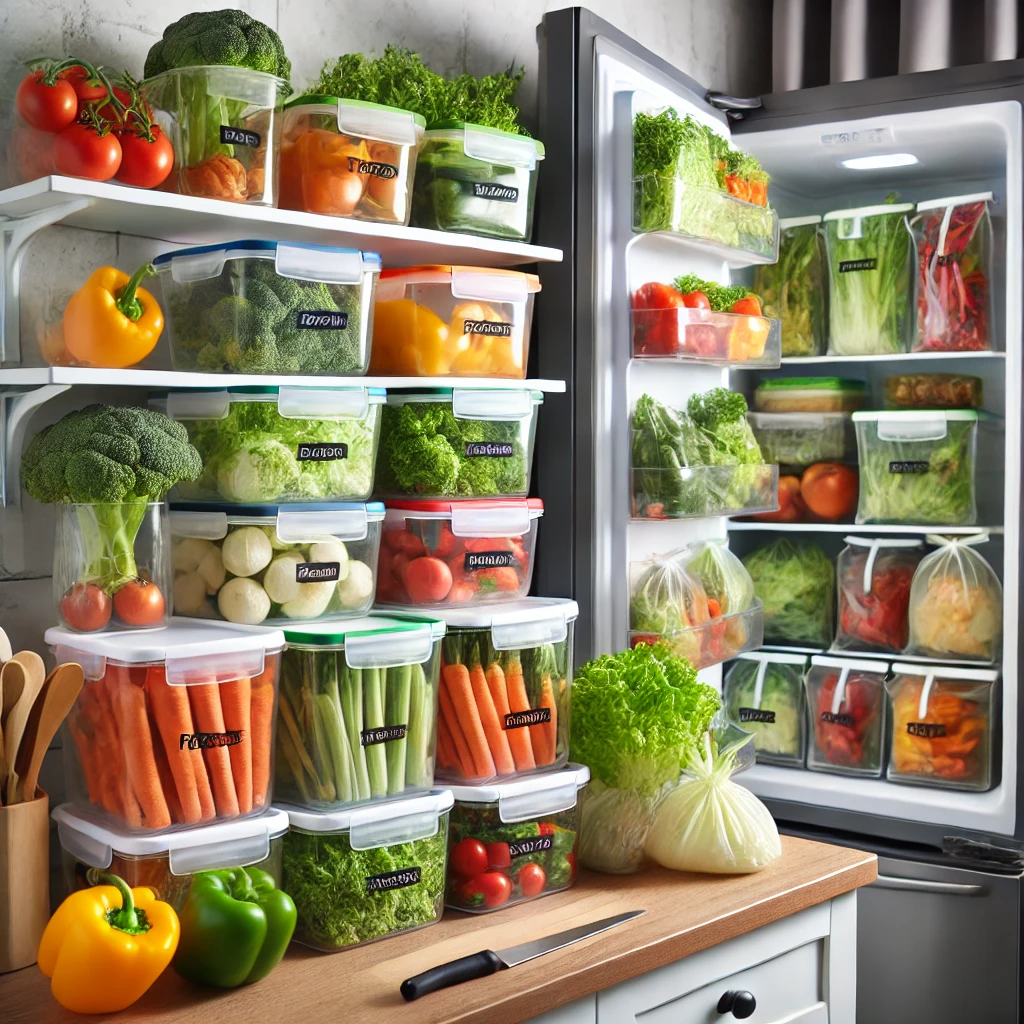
[323, 753]
[334, 723]
[376, 762]
[421, 727]
[397, 713]
[352, 707]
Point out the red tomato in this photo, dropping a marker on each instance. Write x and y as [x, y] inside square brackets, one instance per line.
[85, 607]
[81, 152]
[50, 108]
[656, 325]
[468, 858]
[749, 305]
[445, 543]
[830, 489]
[461, 593]
[145, 164]
[427, 580]
[792, 507]
[87, 88]
[490, 889]
[405, 541]
[498, 855]
[531, 879]
[570, 859]
[112, 112]
[504, 578]
[696, 300]
[489, 544]
[140, 603]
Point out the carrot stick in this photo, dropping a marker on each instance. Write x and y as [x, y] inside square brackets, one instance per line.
[547, 700]
[235, 700]
[460, 689]
[209, 718]
[113, 781]
[129, 704]
[167, 781]
[465, 760]
[518, 701]
[518, 740]
[172, 717]
[261, 719]
[445, 746]
[497, 741]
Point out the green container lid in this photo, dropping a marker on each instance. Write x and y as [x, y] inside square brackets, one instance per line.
[317, 99]
[452, 124]
[812, 384]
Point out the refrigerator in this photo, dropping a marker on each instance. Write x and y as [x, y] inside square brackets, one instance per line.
[940, 932]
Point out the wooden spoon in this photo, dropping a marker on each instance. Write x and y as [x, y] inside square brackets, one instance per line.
[13, 682]
[33, 672]
[55, 700]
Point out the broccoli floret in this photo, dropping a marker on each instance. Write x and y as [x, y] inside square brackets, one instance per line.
[209, 359]
[268, 311]
[259, 357]
[722, 415]
[232, 317]
[287, 289]
[111, 461]
[218, 37]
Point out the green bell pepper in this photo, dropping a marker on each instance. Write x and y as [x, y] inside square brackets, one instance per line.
[235, 927]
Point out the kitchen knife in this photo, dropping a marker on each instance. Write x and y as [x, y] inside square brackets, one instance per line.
[487, 961]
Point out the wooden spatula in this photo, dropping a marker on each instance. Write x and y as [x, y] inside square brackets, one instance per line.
[33, 674]
[12, 682]
[55, 700]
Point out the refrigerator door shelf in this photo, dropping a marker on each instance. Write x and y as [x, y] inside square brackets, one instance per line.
[686, 335]
[701, 492]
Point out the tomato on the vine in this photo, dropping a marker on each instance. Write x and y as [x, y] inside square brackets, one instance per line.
[110, 111]
[468, 858]
[82, 151]
[144, 162]
[50, 108]
[87, 88]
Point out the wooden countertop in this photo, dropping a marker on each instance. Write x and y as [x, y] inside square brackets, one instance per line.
[685, 914]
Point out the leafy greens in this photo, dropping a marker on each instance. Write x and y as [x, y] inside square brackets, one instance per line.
[793, 290]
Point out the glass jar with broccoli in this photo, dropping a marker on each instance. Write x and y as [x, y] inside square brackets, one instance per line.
[269, 307]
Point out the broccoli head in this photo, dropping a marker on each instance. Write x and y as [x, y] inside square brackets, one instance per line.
[218, 37]
[722, 415]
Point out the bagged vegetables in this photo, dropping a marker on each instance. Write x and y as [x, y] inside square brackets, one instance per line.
[796, 586]
[956, 602]
[665, 603]
[874, 578]
[636, 718]
[869, 278]
[710, 823]
[954, 254]
[764, 695]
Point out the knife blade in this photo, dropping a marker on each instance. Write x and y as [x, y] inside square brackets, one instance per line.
[489, 961]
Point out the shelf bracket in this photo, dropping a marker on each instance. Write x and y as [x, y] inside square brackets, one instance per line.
[14, 235]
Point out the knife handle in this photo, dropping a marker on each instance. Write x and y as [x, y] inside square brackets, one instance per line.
[466, 968]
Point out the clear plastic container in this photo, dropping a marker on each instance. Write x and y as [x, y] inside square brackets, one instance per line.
[714, 641]
[701, 491]
[846, 708]
[484, 449]
[933, 391]
[275, 563]
[943, 726]
[506, 676]
[734, 228]
[348, 158]
[763, 694]
[800, 439]
[869, 257]
[917, 467]
[953, 239]
[794, 289]
[166, 863]
[513, 841]
[224, 124]
[810, 394]
[364, 874]
[279, 444]
[269, 307]
[173, 727]
[476, 180]
[358, 707]
[112, 566]
[444, 321]
[469, 552]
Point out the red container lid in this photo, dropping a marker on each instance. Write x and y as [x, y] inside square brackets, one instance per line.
[445, 507]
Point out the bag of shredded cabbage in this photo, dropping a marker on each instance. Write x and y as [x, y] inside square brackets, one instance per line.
[956, 602]
[665, 602]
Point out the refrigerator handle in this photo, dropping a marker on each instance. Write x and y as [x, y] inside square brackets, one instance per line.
[732, 105]
[922, 885]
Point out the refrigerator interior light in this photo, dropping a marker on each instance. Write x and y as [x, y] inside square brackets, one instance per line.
[880, 160]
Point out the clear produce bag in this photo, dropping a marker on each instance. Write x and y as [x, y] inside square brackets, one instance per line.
[665, 602]
[956, 603]
[874, 577]
[954, 258]
[764, 696]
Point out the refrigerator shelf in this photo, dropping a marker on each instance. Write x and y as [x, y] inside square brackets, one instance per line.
[917, 659]
[891, 357]
[714, 641]
[872, 529]
[684, 335]
[702, 492]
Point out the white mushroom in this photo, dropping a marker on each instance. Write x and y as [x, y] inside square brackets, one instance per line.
[246, 551]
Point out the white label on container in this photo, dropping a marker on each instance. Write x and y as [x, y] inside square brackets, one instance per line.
[849, 266]
[500, 193]
[375, 167]
[321, 320]
[317, 572]
[491, 327]
[393, 880]
[475, 560]
[385, 734]
[488, 449]
[519, 719]
[238, 136]
[537, 844]
[322, 452]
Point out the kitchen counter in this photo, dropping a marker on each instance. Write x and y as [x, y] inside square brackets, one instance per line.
[686, 914]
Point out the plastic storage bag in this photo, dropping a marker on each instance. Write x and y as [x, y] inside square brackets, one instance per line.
[956, 602]
[873, 578]
[764, 696]
[666, 601]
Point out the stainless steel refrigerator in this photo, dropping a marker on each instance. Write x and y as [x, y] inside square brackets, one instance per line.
[940, 932]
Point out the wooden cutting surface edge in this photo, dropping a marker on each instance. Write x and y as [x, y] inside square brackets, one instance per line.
[685, 914]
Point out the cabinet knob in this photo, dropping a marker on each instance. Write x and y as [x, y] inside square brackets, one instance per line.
[739, 1003]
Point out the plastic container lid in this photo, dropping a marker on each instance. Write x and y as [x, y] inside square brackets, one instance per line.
[191, 650]
[530, 797]
[774, 657]
[986, 675]
[376, 825]
[224, 844]
[528, 622]
[374, 641]
[812, 384]
[938, 204]
[488, 517]
[491, 144]
[854, 664]
[365, 120]
[292, 402]
[478, 403]
[294, 524]
[915, 415]
[914, 424]
[799, 222]
[477, 283]
[303, 261]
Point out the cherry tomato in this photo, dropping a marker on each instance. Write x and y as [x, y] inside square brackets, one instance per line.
[491, 889]
[531, 879]
[469, 858]
[696, 300]
[140, 603]
[49, 108]
[498, 855]
[85, 607]
[87, 88]
[750, 305]
[570, 859]
[81, 152]
[145, 164]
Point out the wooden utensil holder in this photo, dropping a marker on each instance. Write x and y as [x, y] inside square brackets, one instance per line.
[24, 880]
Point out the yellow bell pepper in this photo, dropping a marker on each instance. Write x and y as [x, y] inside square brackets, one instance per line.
[112, 322]
[409, 339]
[105, 946]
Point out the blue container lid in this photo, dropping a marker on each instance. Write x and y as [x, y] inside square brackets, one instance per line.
[265, 511]
[257, 246]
